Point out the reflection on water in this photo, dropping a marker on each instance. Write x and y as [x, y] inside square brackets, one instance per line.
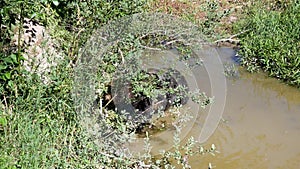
[261, 127]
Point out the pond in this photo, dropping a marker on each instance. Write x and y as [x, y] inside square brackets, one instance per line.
[260, 126]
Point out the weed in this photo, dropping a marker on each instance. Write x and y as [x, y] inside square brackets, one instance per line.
[272, 43]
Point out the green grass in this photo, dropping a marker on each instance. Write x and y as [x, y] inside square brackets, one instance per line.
[272, 40]
[39, 124]
[40, 120]
[43, 130]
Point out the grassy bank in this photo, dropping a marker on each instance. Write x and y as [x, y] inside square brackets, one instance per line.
[39, 126]
[271, 42]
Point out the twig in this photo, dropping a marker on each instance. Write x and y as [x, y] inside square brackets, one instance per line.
[146, 47]
[122, 56]
[109, 101]
[173, 41]
[230, 39]
[81, 30]
[5, 102]
[233, 36]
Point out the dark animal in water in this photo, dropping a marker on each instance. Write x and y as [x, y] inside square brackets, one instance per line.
[140, 109]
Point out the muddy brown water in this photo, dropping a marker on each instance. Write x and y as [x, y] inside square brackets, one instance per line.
[260, 126]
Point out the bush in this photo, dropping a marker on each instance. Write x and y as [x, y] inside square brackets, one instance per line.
[272, 40]
[39, 125]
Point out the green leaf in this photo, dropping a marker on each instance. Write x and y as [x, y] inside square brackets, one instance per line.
[7, 75]
[13, 58]
[10, 84]
[3, 121]
[3, 67]
[8, 60]
[21, 58]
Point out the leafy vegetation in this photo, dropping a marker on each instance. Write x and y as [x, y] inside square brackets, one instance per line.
[271, 42]
[39, 125]
[41, 128]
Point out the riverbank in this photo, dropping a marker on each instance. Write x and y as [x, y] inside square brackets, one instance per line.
[266, 32]
[41, 122]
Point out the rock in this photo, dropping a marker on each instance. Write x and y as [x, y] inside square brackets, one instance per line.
[40, 53]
